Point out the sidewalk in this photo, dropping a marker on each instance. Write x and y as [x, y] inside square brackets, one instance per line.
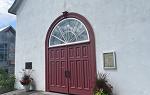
[23, 92]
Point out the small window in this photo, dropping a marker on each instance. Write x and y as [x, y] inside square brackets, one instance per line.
[3, 52]
[68, 31]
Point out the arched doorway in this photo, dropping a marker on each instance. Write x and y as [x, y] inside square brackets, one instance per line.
[70, 55]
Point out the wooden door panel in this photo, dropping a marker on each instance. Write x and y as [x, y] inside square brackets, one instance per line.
[79, 64]
[56, 69]
[51, 54]
[53, 70]
[86, 74]
[80, 77]
[85, 51]
[64, 81]
[71, 52]
[57, 54]
[63, 54]
[78, 52]
[73, 79]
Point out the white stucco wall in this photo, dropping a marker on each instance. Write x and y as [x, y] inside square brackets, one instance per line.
[119, 25]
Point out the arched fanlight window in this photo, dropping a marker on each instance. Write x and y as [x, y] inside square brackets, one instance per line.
[68, 31]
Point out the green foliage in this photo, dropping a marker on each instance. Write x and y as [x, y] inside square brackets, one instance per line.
[100, 92]
[6, 81]
[102, 86]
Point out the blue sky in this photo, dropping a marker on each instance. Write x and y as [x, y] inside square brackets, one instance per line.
[6, 18]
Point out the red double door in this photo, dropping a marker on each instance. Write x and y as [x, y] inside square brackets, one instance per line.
[70, 69]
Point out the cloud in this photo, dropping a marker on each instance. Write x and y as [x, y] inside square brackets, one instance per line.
[5, 17]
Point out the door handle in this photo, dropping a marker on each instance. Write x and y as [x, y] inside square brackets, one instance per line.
[67, 74]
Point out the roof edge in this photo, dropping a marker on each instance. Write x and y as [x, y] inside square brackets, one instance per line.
[7, 28]
[12, 30]
[13, 9]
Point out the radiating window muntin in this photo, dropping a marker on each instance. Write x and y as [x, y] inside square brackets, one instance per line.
[68, 31]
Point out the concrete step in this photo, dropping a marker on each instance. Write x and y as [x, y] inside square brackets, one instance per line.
[23, 92]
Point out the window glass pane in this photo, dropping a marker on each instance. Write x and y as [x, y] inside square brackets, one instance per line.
[55, 41]
[58, 34]
[82, 36]
[2, 45]
[2, 49]
[1, 56]
[69, 31]
[3, 52]
[5, 57]
[5, 45]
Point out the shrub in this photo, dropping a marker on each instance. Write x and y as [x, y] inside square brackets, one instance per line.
[6, 81]
[102, 86]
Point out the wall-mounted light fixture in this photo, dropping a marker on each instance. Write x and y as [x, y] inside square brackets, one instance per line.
[28, 65]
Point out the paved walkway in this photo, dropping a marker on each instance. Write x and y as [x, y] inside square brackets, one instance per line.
[23, 92]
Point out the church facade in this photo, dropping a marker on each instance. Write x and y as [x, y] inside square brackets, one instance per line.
[70, 41]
